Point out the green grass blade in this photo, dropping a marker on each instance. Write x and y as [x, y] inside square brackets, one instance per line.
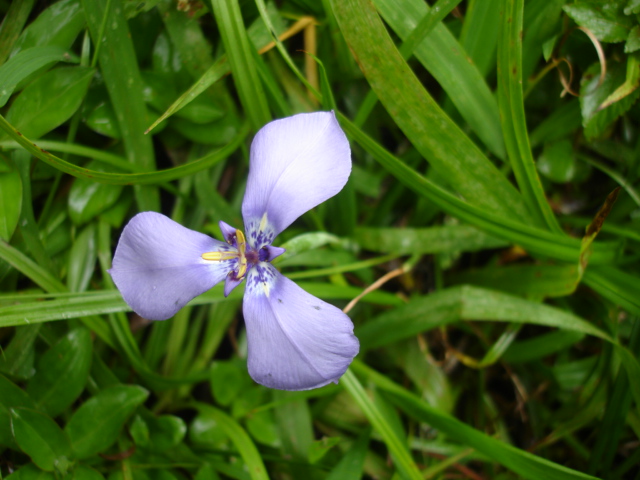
[396, 446]
[479, 35]
[123, 178]
[521, 462]
[514, 127]
[470, 304]
[432, 132]
[238, 48]
[446, 60]
[619, 287]
[119, 67]
[29, 268]
[533, 239]
[12, 24]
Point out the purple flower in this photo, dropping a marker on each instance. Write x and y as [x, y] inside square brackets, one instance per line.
[295, 340]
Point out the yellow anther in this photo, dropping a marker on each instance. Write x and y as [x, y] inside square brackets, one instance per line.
[240, 254]
[242, 248]
[219, 256]
[241, 241]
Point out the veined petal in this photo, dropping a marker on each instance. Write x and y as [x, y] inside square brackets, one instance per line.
[158, 266]
[295, 340]
[296, 163]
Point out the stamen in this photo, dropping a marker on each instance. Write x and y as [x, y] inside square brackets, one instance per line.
[219, 256]
[242, 258]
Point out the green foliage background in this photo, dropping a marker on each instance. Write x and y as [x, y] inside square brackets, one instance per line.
[493, 141]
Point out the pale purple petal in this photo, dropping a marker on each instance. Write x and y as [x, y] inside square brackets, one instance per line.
[296, 163]
[274, 252]
[158, 266]
[295, 340]
[228, 232]
[230, 283]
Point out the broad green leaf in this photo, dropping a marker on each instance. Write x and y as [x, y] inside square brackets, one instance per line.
[263, 428]
[557, 162]
[58, 25]
[82, 472]
[240, 439]
[593, 94]
[23, 64]
[18, 356]
[227, 381]
[97, 423]
[633, 40]
[205, 432]
[88, 198]
[606, 20]
[49, 101]
[12, 397]
[432, 132]
[164, 431]
[31, 472]
[41, 438]
[10, 202]
[62, 372]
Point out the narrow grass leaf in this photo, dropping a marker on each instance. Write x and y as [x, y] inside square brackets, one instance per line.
[47, 308]
[519, 461]
[11, 26]
[238, 48]
[121, 74]
[466, 303]
[514, 127]
[447, 61]
[397, 447]
[431, 131]
[448, 238]
[535, 240]
[124, 178]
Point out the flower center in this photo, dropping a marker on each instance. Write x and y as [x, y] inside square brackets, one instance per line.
[240, 254]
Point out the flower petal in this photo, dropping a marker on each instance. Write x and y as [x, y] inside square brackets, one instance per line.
[158, 266]
[296, 163]
[295, 340]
